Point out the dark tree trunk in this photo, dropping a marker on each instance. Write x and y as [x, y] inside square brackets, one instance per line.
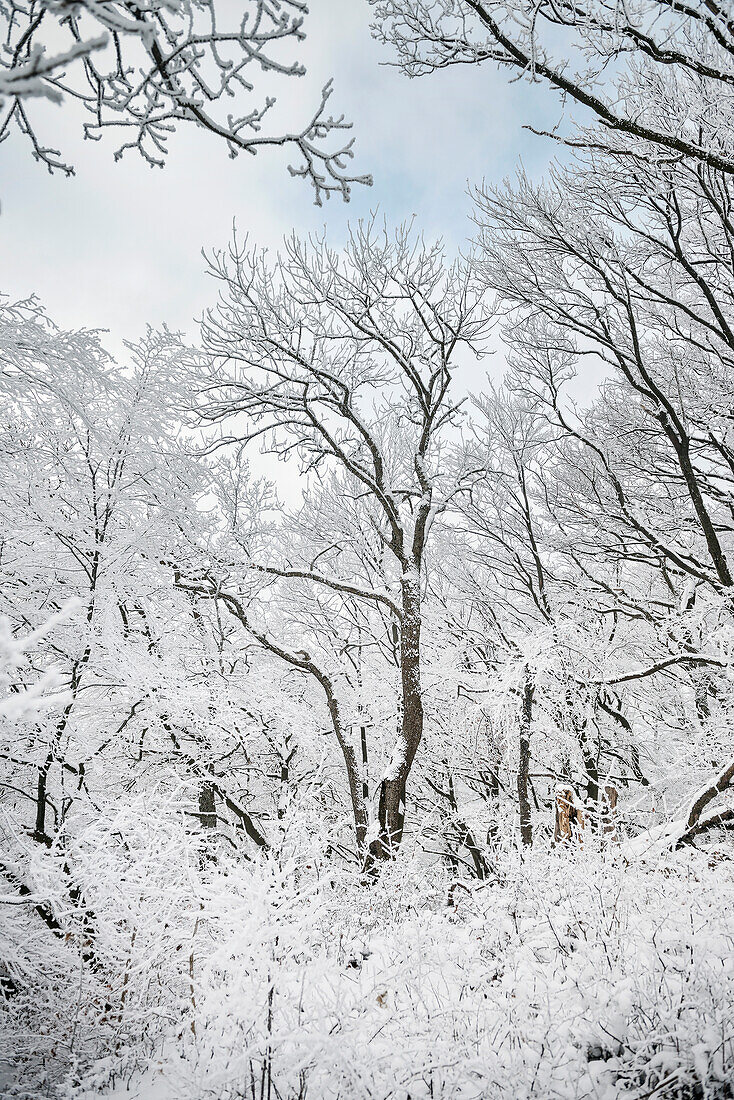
[590, 757]
[592, 779]
[39, 833]
[207, 807]
[359, 807]
[609, 812]
[391, 810]
[363, 744]
[462, 833]
[526, 718]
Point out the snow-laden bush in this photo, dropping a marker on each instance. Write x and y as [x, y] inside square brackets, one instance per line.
[571, 974]
[91, 959]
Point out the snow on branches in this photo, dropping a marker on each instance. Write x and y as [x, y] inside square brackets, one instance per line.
[140, 69]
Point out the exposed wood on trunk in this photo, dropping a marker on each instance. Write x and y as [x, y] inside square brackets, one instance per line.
[569, 824]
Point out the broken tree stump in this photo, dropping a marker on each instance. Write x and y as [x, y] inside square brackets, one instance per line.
[572, 817]
[569, 817]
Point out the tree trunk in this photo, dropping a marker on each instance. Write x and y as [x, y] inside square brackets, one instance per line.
[591, 767]
[592, 779]
[526, 718]
[391, 810]
[39, 832]
[365, 762]
[207, 807]
[609, 812]
[723, 781]
[359, 806]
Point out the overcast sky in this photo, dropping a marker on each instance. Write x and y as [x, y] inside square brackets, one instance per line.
[119, 245]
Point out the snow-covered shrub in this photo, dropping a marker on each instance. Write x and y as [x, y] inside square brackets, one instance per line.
[571, 974]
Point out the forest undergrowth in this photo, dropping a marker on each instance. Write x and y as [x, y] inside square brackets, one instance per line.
[595, 972]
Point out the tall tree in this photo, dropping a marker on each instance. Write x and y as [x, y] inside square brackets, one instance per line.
[627, 264]
[348, 362]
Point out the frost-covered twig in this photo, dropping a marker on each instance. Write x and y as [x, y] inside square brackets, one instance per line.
[163, 62]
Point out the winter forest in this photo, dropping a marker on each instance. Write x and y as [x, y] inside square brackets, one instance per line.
[367, 651]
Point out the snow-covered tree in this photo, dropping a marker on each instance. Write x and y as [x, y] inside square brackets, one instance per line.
[347, 360]
[656, 75]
